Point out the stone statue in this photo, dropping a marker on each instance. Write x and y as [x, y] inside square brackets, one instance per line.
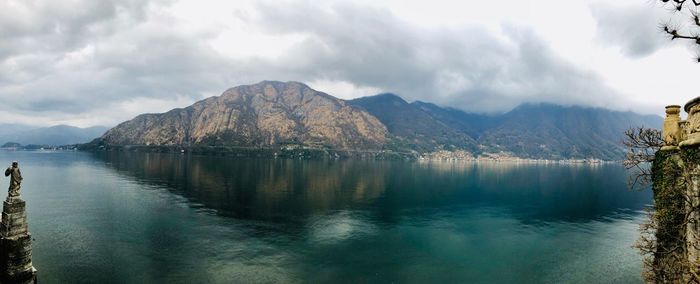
[15, 179]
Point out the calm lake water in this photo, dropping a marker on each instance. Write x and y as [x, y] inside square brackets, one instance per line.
[129, 217]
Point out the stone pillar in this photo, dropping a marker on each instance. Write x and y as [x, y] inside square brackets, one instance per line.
[15, 244]
[672, 128]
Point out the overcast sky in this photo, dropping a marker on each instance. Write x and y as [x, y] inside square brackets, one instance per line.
[89, 62]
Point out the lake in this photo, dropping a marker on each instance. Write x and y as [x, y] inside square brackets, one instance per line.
[168, 218]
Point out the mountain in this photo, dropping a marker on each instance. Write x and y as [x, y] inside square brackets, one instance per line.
[263, 114]
[529, 131]
[472, 124]
[53, 136]
[556, 132]
[274, 113]
[412, 127]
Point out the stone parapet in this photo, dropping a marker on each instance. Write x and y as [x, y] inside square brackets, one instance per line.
[682, 133]
[692, 127]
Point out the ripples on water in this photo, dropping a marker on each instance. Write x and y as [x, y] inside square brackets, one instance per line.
[127, 217]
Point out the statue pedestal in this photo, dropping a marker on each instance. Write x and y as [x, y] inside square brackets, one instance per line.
[15, 244]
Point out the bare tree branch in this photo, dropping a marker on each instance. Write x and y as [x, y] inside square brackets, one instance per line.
[688, 33]
[642, 143]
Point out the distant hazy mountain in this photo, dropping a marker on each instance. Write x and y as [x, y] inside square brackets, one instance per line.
[276, 113]
[471, 124]
[413, 127]
[551, 131]
[267, 113]
[53, 136]
[529, 131]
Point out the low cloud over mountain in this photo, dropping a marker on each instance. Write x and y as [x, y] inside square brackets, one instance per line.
[111, 60]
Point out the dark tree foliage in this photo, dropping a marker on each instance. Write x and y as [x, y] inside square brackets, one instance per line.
[689, 31]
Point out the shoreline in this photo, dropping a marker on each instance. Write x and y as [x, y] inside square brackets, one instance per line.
[301, 152]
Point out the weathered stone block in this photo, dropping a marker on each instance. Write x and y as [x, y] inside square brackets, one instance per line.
[16, 206]
[17, 219]
[9, 231]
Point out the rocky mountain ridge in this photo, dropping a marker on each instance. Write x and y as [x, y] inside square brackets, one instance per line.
[274, 114]
[268, 113]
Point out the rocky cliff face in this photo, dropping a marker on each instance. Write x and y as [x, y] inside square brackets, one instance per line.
[267, 113]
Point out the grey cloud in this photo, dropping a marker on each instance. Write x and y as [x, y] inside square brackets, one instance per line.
[33, 26]
[74, 59]
[469, 68]
[112, 52]
[634, 29]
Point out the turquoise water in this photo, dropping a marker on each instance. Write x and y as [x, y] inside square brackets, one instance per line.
[128, 217]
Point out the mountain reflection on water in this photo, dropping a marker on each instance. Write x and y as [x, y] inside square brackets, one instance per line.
[135, 217]
[280, 188]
